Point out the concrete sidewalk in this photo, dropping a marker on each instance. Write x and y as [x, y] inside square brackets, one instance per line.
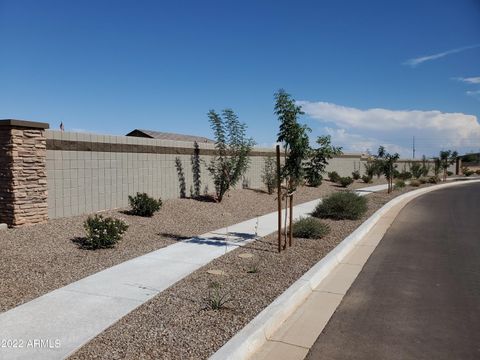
[54, 325]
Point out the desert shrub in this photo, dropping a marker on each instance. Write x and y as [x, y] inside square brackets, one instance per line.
[333, 176]
[416, 169]
[217, 296]
[434, 179]
[404, 175]
[367, 179]
[196, 171]
[450, 173]
[269, 174]
[356, 175]
[310, 228]
[476, 172]
[103, 232]
[144, 205]
[345, 181]
[399, 184]
[467, 172]
[415, 183]
[341, 205]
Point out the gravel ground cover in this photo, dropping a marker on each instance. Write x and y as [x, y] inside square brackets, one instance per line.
[179, 324]
[42, 258]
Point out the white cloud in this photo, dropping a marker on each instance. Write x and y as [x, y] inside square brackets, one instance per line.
[474, 93]
[417, 61]
[469, 80]
[360, 129]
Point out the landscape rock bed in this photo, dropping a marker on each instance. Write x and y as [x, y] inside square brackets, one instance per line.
[177, 324]
[44, 257]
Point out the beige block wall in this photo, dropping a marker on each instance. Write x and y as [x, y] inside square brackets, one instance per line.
[88, 181]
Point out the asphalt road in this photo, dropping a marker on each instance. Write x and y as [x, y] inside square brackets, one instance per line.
[418, 296]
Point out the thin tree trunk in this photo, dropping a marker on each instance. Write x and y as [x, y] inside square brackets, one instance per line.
[290, 229]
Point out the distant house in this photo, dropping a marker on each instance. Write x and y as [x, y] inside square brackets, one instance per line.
[168, 136]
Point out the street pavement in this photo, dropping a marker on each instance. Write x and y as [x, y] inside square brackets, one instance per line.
[418, 296]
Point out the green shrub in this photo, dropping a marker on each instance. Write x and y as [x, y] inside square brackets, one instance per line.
[415, 183]
[341, 205]
[333, 176]
[450, 173]
[217, 296]
[433, 179]
[356, 175]
[405, 175]
[103, 232]
[399, 184]
[467, 172]
[269, 174]
[310, 228]
[144, 205]
[367, 179]
[345, 181]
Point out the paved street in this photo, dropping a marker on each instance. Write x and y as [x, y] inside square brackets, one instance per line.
[418, 296]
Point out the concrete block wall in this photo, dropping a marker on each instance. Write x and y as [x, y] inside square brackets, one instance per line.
[89, 172]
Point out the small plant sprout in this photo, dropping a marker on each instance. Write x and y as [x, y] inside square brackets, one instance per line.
[217, 296]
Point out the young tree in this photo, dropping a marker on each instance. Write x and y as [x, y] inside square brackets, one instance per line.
[295, 142]
[447, 158]
[386, 163]
[318, 160]
[233, 149]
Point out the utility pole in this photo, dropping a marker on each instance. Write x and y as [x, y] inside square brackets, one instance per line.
[413, 147]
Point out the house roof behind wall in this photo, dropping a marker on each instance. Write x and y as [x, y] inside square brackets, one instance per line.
[168, 136]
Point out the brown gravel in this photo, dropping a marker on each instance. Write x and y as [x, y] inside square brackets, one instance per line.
[177, 324]
[42, 258]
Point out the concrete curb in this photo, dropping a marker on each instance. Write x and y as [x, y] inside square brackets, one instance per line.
[255, 334]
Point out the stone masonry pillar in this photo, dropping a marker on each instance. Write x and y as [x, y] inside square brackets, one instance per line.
[23, 173]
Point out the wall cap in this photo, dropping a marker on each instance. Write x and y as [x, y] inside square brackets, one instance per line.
[23, 123]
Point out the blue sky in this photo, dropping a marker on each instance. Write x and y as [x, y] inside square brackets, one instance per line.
[111, 66]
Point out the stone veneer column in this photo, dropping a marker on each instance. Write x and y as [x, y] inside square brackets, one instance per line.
[23, 174]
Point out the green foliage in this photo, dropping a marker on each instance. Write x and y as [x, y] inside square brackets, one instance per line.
[345, 181]
[318, 160]
[144, 205]
[232, 150]
[415, 183]
[434, 179]
[310, 228]
[404, 175]
[181, 177]
[103, 232]
[467, 172]
[416, 169]
[294, 138]
[370, 168]
[422, 180]
[386, 163]
[367, 179]
[217, 296]
[196, 171]
[341, 205]
[269, 174]
[399, 184]
[450, 173]
[333, 176]
[356, 175]
[445, 159]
